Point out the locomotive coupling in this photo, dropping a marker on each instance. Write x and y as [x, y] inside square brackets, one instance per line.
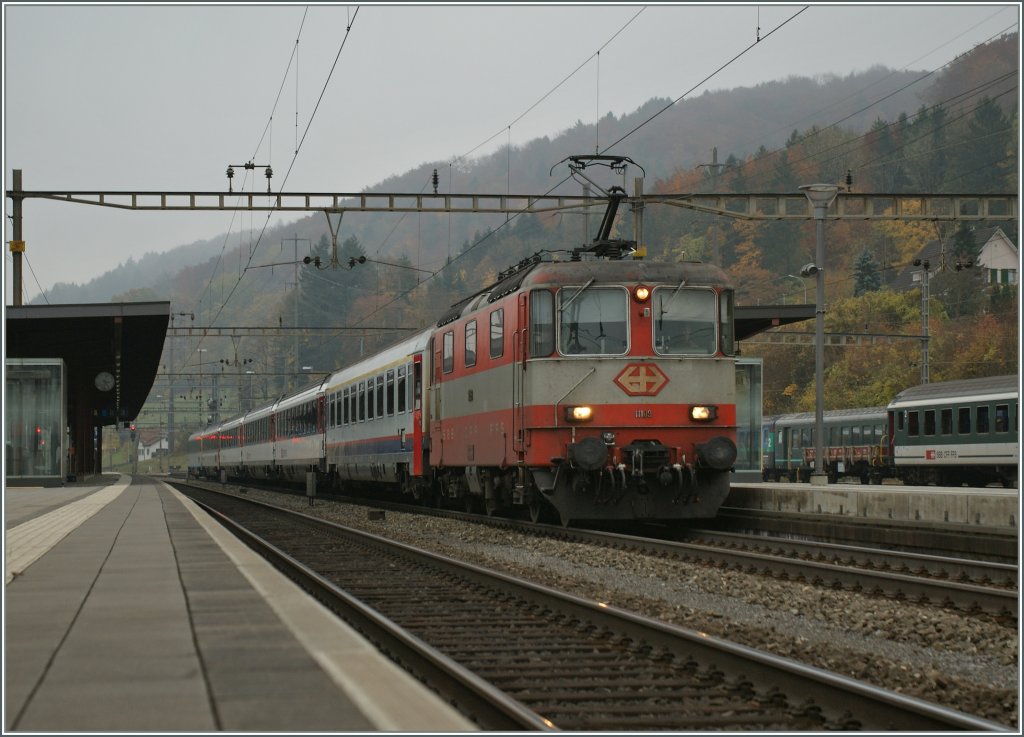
[718, 453]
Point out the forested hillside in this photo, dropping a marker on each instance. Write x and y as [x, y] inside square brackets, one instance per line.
[953, 131]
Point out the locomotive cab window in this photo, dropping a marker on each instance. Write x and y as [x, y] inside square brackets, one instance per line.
[684, 321]
[593, 321]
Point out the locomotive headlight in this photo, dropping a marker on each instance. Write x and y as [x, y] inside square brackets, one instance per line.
[703, 412]
[641, 294]
[578, 414]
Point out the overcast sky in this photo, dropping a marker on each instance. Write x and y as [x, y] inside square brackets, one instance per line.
[163, 98]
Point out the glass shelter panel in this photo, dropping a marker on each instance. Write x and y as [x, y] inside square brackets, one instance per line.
[35, 418]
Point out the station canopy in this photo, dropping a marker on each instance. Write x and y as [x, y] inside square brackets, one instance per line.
[122, 339]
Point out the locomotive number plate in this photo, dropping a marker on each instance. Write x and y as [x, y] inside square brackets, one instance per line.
[641, 379]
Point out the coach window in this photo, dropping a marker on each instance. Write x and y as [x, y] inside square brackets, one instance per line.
[344, 406]
[963, 425]
[593, 321]
[929, 422]
[380, 395]
[912, 428]
[369, 399]
[470, 355]
[542, 323]
[401, 389]
[982, 426]
[448, 352]
[856, 438]
[846, 435]
[362, 401]
[497, 332]
[947, 422]
[1002, 418]
[390, 392]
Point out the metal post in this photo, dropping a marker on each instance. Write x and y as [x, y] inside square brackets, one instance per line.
[820, 196]
[17, 244]
[925, 295]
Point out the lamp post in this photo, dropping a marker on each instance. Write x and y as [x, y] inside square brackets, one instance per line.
[820, 197]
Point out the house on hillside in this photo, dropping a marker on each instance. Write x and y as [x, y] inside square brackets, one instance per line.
[997, 255]
[152, 443]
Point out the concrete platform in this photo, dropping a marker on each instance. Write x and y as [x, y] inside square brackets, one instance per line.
[993, 508]
[128, 610]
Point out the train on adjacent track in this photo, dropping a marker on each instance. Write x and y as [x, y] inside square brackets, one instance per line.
[596, 388]
[949, 433]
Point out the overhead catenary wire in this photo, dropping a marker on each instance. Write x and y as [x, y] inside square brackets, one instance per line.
[291, 165]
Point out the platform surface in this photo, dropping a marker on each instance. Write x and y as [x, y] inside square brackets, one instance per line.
[129, 610]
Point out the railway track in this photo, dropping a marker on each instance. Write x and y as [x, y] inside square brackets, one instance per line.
[974, 586]
[515, 655]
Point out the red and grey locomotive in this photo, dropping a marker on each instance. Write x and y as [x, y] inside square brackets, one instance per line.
[594, 388]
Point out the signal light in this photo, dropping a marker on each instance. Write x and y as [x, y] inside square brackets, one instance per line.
[641, 294]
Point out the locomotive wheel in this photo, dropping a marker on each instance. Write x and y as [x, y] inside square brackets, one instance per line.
[491, 507]
[536, 510]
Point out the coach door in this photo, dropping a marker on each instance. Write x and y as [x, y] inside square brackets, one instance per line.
[434, 404]
[519, 378]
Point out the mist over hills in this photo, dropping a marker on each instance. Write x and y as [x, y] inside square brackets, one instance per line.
[736, 122]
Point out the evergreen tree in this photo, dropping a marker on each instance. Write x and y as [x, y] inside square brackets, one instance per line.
[985, 162]
[866, 276]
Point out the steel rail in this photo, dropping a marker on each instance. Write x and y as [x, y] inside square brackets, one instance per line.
[866, 706]
[473, 693]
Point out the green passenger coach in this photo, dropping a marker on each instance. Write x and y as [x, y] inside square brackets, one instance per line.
[957, 432]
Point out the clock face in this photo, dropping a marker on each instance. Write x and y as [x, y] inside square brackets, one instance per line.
[104, 381]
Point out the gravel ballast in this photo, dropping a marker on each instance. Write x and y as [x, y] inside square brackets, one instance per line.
[948, 657]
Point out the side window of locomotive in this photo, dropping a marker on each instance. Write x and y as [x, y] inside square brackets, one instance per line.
[725, 323]
[684, 321]
[592, 321]
[542, 323]
[497, 332]
[470, 354]
[448, 353]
